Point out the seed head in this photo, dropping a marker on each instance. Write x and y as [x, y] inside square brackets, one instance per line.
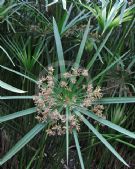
[63, 84]
[85, 72]
[50, 69]
[97, 93]
[52, 97]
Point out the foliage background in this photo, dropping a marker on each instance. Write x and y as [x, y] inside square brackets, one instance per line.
[27, 40]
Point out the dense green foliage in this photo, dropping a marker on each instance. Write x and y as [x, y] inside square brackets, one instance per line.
[98, 36]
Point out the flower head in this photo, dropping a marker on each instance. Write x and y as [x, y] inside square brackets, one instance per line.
[58, 95]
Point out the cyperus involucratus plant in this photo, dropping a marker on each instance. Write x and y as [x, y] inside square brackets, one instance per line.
[55, 95]
[63, 103]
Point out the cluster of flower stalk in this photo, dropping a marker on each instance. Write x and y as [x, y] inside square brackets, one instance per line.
[56, 95]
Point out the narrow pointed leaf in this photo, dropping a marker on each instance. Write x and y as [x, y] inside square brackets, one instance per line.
[78, 148]
[18, 73]
[67, 133]
[7, 55]
[15, 97]
[81, 49]
[115, 100]
[99, 50]
[64, 3]
[101, 138]
[21, 143]
[10, 88]
[109, 67]
[95, 56]
[59, 47]
[123, 11]
[108, 123]
[32, 159]
[111, 16]
[66, 19]
[17, 114]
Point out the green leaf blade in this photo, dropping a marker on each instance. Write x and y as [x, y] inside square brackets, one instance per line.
[15, 97]
[59, 47]
[20, 74]
[21, 143]
[17, 114]
[7, 54]
[99, 50]
[115, 100]
[101, 138]
[108, 123]
[10, 88]
[82, 45]
[67, 133]
[78, 148]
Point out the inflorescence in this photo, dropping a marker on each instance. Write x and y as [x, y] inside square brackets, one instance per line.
[56, 95]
